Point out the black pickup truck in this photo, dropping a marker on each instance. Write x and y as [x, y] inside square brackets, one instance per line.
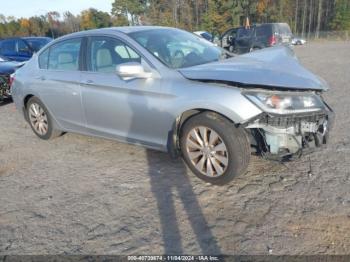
[246, 39]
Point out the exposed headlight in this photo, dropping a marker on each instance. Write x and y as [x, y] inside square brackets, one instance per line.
[286, 103]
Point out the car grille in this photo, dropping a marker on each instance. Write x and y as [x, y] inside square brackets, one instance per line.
[288, 121]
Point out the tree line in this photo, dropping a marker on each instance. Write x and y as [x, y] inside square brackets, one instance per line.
[305, 17]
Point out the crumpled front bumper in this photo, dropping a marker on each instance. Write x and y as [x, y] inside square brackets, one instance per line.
[283, 137]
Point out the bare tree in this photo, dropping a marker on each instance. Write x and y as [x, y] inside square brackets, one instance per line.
[310, 18]
[319, 13]
[296, 17]
[197, 12]
[175, 11]
[304, 19]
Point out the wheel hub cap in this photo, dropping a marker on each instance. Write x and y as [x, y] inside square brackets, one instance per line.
[38, 119]
[207, 151]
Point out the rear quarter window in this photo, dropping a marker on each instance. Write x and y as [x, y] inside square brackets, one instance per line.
[44, 59]
[263, 30]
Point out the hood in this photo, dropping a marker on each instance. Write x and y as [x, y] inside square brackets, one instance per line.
[274, 67]
[9, 67]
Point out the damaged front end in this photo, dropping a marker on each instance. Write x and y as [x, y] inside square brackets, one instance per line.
[293, 123]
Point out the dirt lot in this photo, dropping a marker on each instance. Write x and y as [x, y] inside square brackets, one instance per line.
[83, 195]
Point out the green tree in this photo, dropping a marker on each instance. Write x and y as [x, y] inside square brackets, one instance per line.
[132, 9]
[341, 20]
[71, 22]
[93, 18]
[39, 26]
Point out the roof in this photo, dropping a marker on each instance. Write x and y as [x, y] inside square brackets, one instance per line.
[35, 37]
[121, 29]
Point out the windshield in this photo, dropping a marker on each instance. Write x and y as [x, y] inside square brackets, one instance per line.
[37, 43]
[176, 48]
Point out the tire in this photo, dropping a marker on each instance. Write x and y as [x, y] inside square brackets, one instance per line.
[223, 165]
[47, 130]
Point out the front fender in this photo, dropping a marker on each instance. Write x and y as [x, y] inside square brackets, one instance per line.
[238, 113]
[238, 110]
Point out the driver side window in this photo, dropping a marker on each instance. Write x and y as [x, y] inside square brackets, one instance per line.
[105, 53]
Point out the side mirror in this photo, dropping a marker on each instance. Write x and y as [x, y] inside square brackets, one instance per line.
[132, 70]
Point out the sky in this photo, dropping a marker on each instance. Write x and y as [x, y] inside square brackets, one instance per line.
[28, 8]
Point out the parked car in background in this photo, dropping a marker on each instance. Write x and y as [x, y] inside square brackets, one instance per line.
[7, 68]
[213, 108]
[227, 39]
[298, 41]
[247, 39]
[206, 35]
[22, 48]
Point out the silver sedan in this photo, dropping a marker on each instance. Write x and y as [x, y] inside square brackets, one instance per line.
[167, 89]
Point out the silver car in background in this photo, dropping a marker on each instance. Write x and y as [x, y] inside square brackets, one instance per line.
[167, 89]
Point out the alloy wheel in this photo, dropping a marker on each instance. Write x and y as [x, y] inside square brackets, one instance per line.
[38, 119]
[207, 151]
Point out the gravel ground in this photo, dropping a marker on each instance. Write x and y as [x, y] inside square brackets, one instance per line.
[84, 195]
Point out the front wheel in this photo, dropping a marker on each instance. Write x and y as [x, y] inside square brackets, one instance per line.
[40, 120]
[214, 148]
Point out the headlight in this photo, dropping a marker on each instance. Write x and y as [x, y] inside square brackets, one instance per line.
[285, 103]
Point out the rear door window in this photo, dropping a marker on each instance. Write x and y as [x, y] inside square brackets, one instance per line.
[23, 48]
[37, 44]
[8, 47]
[63, 56]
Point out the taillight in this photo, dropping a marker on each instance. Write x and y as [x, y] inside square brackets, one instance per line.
[11, 79]
[272, 40]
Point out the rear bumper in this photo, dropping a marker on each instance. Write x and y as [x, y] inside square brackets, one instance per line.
[284, 137]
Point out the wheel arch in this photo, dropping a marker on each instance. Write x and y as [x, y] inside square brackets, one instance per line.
[173, 144]
[27, 97]
[25, 102]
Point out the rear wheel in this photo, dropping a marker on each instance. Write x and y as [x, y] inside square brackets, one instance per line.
[40, 120]
[214, 148]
